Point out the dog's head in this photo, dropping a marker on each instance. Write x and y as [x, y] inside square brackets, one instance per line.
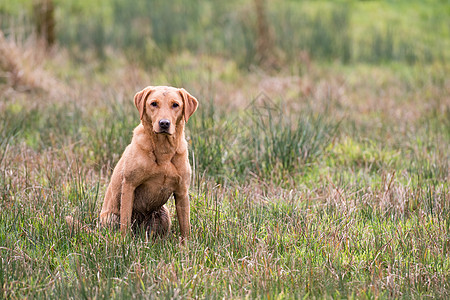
[164, 107]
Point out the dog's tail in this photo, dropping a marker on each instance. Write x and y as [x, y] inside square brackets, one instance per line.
[156, 223]
[159, 222]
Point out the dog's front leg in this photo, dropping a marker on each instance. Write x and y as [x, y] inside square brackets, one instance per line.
[183, 214]
[126, 205]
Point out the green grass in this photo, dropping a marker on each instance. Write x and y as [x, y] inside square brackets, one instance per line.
[241, 245]
[325, 178]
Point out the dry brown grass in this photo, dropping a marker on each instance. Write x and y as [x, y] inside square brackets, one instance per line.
[22, 67]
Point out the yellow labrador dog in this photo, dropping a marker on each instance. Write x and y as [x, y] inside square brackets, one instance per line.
[154, 166]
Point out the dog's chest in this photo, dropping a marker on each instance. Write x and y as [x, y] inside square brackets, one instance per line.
[156, 190]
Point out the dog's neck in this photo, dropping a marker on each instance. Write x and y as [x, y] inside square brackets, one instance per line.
[163, 146]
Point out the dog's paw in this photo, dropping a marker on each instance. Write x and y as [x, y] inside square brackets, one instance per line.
[109, 220]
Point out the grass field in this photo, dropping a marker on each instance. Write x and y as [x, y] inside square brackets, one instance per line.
[325, 177]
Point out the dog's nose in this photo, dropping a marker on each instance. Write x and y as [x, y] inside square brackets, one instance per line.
[164, 124]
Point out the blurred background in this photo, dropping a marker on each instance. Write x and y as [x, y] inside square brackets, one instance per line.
[268, 33]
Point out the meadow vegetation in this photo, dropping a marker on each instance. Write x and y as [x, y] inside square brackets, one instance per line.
[324, 174]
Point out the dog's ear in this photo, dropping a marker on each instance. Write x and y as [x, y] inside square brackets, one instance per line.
[141, 98]
[190, 104]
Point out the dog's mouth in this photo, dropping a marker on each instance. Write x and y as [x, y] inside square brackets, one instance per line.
[163, 132]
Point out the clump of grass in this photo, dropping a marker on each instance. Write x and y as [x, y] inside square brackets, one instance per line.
[266, 141]
[279, 143]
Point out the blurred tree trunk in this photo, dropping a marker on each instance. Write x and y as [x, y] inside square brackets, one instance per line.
[266, 55]
[44, 18]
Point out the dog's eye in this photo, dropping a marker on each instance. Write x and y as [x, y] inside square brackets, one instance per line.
[175, 105]
[154, 104]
